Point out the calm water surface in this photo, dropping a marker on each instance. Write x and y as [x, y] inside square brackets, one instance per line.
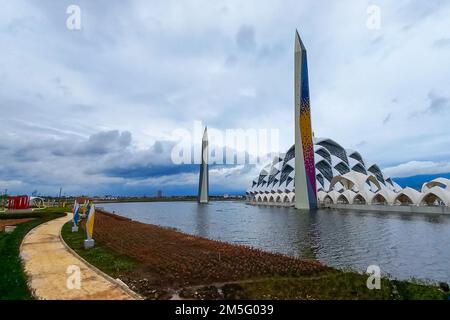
[403, 245]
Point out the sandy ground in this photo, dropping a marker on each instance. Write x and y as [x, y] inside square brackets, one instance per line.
[53, 270]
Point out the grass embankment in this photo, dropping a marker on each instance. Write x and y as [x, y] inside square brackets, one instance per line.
[158, 262]
[109, 261]
[338, 285]
[13, 281]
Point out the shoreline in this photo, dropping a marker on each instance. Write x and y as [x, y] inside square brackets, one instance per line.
[410, 209]
[165, 200]
[169, 264]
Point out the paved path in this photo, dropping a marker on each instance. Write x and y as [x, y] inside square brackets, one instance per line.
[47, 260]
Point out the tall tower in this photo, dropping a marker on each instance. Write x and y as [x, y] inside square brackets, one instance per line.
[203, 184]
[305, 171]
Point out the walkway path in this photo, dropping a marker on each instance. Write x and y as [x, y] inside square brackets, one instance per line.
[50, 268]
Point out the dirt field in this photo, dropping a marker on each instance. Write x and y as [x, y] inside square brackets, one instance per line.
[174, 259]
[11, 222]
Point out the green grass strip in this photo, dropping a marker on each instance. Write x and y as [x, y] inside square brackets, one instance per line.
[104, 258]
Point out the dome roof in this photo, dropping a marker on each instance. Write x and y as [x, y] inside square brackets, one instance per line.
[331, 161]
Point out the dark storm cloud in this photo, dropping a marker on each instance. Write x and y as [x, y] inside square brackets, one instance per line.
[144, 171]
[438, 104]
[245, 38]
[442, 43]
[387, 118]
[377, 41]
[98, 144]
[361, 144]
[156, 162]
[105, 142]
[231, 61]
[141, 164]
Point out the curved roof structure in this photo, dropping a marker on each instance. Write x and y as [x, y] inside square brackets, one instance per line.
[407, 196]
[438, 182]
[342, 176]
[435, 196]
[331, 161]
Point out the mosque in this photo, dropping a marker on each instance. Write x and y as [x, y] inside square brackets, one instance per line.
[329, 175]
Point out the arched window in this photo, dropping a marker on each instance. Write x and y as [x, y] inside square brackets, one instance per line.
[403, 200]
[342, 199]
[325, 169]
[379, 200]
[324, 154]
[287, 169]
[272, 176]
[289, 155]
[377, 172]
[359, 199]
[335, 149]
[328, 200]
[355, 155]
[359, 168]
[342, 168]
[432, 199]
[320, 179]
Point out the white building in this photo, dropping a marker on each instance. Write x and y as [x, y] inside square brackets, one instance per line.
[343, 176]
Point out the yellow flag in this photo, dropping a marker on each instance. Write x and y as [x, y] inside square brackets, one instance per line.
[84, 207]
[90, 222]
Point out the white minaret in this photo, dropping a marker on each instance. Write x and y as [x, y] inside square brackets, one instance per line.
[305, 170]
[203, 184]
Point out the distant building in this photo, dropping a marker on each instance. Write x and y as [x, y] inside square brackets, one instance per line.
[159, 194]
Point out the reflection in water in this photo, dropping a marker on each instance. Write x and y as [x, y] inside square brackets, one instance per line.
[202, 221]
[403, 245]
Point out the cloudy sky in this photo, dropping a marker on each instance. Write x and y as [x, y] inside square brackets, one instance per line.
[95, 110]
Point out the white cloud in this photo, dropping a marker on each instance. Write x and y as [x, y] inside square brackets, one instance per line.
[149, 67]
[413, 168]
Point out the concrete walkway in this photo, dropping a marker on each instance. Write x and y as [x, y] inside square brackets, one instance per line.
[52, 269]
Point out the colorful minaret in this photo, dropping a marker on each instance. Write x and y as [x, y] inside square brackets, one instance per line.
[203, 185]
[305, 170]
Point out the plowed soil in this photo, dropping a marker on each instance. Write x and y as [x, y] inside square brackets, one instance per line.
[173, 259]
